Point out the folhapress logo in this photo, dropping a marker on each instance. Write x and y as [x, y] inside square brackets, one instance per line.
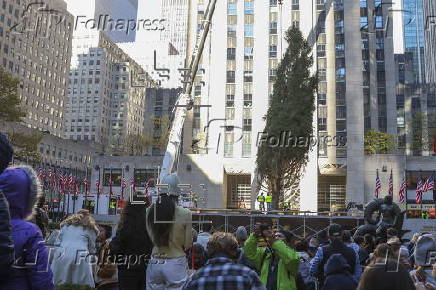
[108, 24]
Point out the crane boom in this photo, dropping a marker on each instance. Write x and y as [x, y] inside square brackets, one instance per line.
[184, 101]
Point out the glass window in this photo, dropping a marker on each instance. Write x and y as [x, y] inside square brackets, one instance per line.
[295, 4]
[230, 77]
[231, 9]
[141, 176]
[273, 51]
[273, 28]
[249, 7]
[112, 174]
[246, 144]
[248, 30]
[379, 22]
[248, 76]
[231, 53]
[231, 30]
[363, 22]
[248, 53]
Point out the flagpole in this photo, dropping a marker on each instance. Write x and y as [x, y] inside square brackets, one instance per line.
[86, 185]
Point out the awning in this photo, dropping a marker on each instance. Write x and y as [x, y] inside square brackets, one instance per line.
[237, 169]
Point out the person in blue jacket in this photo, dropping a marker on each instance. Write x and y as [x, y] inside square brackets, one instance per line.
[31, 270]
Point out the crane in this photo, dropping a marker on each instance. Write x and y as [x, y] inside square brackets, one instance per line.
[185, 101]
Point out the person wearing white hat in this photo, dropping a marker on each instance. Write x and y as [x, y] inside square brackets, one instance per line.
[170, 229]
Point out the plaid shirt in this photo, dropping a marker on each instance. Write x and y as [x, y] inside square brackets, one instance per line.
[222, 273]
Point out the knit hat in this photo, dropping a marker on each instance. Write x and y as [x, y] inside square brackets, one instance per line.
[335, 230]
[241, 233]
[6, 152]
[425, 250]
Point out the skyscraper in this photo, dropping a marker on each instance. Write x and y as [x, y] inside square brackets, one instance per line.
[105, 103]
[36, 48]
[430, 40]
[124, 11]
[353, 45]
[117, 18]
[176, 14]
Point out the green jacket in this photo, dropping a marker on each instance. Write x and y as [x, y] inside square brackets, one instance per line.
[288, 263]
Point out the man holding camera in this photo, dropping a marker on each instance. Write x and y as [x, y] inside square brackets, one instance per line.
[277, 263]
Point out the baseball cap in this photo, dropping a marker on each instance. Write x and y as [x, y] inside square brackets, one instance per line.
[335, 230]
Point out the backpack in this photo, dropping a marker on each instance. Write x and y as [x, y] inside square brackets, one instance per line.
[196, 256]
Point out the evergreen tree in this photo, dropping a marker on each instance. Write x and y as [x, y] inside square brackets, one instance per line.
[10, 109]
[291, 110]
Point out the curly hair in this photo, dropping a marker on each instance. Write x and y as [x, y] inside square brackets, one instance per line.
[223, 243]
[81, 218]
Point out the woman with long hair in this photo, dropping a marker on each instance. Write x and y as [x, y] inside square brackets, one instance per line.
[72, 263]
[170, 229]
[133, 244]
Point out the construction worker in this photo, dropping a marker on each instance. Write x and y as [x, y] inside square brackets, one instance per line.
[261, 200]
[195, 200]
[268, 201]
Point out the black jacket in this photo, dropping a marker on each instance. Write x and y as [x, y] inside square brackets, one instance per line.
[337, 274]
[336, 247]
[6, 244]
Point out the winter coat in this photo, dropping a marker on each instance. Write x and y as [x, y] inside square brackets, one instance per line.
[74, 256]
[385, 276]
[287, 265]
[6, 244]
[337, 273]
[31, 271]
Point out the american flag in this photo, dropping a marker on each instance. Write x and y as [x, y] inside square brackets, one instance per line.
[123, 183]
[428, 185]
[402, 192]
[377, 186]
[132, 182]
[391, 185]
[97, 183]
[419, 186]
[86, 183]
[71, 180]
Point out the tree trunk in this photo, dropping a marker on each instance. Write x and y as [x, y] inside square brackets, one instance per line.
[276, 192]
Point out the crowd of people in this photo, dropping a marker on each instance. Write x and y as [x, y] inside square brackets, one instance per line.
[156, 247]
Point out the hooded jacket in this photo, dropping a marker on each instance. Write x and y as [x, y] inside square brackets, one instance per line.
[31, 270]
[337, 272]
[386, 275]
[287, 266]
